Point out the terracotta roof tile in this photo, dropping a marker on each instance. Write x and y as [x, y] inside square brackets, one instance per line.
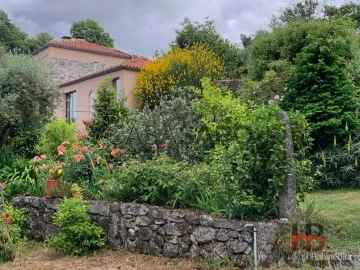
[135, 63]
[77, 44]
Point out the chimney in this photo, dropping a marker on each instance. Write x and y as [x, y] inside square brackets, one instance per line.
[80, 38]
[65, 38]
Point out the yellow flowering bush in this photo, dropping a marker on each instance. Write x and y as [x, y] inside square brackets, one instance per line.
[177, 68]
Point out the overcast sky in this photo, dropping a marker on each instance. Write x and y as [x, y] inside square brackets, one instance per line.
[143, 26]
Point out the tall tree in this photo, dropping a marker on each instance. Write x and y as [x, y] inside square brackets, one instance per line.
[10, 35]
[348, 10]
[92, 32]
[16, 41]
[205, 33]
[304, 9]
[321, 89]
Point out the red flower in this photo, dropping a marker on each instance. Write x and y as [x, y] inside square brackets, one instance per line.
[84, 149]
[8, 222]
[7, 215]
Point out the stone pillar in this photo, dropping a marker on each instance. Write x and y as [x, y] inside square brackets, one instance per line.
[287, 198]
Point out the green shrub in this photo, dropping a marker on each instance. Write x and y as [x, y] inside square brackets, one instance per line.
[159, 181]
[23, 178]
[11, 233]
[53, 134]
[173, 122]
[107, 111]
[78, 236]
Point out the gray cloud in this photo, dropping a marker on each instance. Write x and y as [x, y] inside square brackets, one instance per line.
[143, 26]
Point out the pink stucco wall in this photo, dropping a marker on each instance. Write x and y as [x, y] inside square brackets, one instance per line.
[128, 81]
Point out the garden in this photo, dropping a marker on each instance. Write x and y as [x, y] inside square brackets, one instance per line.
[194, 142]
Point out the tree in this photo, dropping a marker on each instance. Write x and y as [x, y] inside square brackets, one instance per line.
[40, 39]
[16, 41]
[92, 32]
[321, 89]
[349, 10]
[304, 10]
[205, 33]
[28, 95]
[107, 111]
[10, 35]
[177, 68]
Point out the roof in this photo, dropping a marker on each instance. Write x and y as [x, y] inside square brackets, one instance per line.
[82, 45]
[135, 63]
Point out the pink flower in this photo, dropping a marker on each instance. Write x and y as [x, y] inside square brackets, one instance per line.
[84, 149]
[43, 156]
[65, 143]
[111, 166]
[163, 145]
[36, 159]
[76, 147]
[79, 158]
[115, 152]
[61, 149]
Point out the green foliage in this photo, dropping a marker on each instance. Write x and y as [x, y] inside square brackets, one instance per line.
[172, 122]
[249, 143]
[108, 111]
[338, 166]
[327, 101]
[23, 178]
[16, 41]
[92, 32]
[159, 181]
[349, 10]
[192, 33]
[28, 95]
[11, 222]
[303, 10]
[78, 236]
[244, 168]
[53, 134]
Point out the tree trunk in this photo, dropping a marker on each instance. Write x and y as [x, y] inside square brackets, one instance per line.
[8, 130]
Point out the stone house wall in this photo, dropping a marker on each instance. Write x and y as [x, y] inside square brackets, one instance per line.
[67, 69]
[163, 232]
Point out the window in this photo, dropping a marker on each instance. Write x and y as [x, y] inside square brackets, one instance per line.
[70, 107]
[116, 85]
[91, 103]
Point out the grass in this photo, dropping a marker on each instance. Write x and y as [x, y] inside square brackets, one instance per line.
[340, 216]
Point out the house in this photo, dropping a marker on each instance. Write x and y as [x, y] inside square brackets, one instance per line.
[79, 66]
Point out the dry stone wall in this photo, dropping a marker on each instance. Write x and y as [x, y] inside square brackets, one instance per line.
[163, 232]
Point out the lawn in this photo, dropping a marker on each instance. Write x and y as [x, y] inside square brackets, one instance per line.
[340, 216]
